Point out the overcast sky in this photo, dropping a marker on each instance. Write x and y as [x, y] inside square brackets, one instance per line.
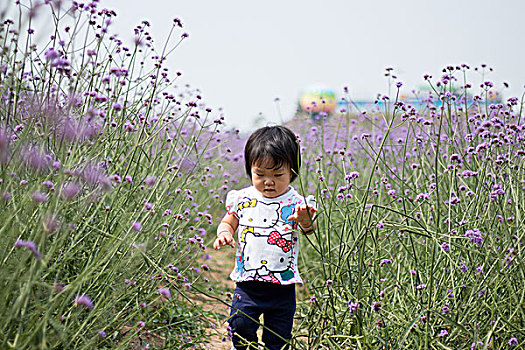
[243, 54]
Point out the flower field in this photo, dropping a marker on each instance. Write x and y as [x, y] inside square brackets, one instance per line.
[113, 176]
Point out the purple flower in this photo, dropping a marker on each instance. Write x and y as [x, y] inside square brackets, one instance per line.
[376, 306]
[421, 286]
[329, 282]
[85, 301]
[513, 341]
[60, 63]
[49, 184]
[165, 291]
[453, 200]
[6, 196]
[29, 245]
[4, 146]
[475, 236]
[78, 130]
[137, 226]
[455, 157]
[93, 175]
[70, 190]
[51, 54]
[352, 175]
[384, 262]
[39, 197]
[141, 323]
[353, 307]
[148, 206]
[445, 247]
[150, 180]
[442, 333]
[34, 158]
[102, 334]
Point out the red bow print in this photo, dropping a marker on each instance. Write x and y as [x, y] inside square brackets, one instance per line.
[277, 239]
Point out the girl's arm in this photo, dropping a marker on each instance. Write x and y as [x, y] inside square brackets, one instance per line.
[225, 232]
[304, 215]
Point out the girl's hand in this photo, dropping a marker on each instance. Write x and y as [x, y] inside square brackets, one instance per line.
[224, 238]
[304, 215]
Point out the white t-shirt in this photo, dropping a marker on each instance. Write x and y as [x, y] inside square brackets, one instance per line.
[268, 244]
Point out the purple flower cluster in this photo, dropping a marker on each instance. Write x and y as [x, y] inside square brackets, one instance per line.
[85, 301]
[475, 236]
[29, 245]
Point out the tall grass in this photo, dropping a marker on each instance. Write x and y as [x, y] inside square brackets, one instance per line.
[111, 177]
[108, 174]
[420, 239]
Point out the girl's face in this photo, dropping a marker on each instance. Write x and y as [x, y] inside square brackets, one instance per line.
[271, 182]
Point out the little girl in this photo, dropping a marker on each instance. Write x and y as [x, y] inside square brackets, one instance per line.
[267, 217]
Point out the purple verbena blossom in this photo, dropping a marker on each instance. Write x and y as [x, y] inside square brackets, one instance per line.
[51, 54]
[376, 306]
[29, 245]
[34, 158]
[150, 180]
[513, 341]
[443, 333]
[385, 261]
[353, 307]
[4, 146]
[69, 190]
[475, 236]
[39, 197]
[165, 291]
[85, 301]
[137, 226]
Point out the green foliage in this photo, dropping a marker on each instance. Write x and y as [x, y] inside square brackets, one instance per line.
[420, 237]
[104, 185]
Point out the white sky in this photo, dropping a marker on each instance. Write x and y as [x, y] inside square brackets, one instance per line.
[243, 54]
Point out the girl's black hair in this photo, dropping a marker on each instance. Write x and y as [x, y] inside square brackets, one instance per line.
[276, 144]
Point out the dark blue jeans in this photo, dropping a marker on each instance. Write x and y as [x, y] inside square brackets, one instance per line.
[276, 302]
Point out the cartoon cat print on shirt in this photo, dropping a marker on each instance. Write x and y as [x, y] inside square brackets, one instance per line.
[253, 213]
[263, 260]
[256, 218]
[264, 253]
